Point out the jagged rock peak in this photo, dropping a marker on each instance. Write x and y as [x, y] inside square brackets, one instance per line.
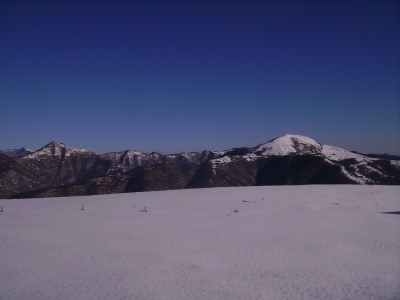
[289, 144]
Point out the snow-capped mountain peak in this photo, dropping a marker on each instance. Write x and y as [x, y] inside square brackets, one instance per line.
[55, 148]
[354, 165]
[288, 144]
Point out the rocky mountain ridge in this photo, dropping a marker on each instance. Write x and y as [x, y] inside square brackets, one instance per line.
[17, 153]
[57, 169]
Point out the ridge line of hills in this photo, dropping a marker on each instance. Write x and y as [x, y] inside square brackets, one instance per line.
[58, 170]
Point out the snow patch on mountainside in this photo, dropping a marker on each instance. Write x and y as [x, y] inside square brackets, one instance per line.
[222, 160]
[355, 176]
[229, 159]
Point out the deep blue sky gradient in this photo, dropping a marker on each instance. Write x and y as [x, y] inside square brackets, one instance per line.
[174, 76]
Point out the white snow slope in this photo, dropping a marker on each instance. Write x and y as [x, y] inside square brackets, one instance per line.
[288, 242]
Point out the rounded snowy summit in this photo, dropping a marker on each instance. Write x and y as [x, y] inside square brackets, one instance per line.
[289, 144]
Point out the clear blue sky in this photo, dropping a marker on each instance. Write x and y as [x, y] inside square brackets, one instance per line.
[174, 76]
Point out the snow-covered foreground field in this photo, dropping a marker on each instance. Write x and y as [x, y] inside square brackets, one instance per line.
[292, 242]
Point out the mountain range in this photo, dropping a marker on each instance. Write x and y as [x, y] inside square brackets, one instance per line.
[58, 170]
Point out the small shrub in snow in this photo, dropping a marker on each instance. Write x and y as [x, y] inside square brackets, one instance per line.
[236, 211]
[82, 207]
[144, 209]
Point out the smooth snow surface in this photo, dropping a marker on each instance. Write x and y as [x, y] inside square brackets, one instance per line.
[291, 242]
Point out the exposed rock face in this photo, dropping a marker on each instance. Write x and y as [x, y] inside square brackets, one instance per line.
[15, 178]
[58, 170]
